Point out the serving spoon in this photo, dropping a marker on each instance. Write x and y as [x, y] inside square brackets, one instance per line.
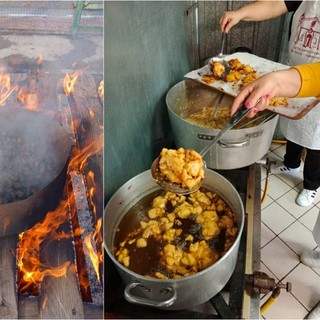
[220, 58]
[177, 188]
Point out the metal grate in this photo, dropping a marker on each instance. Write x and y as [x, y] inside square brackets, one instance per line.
[51, 17]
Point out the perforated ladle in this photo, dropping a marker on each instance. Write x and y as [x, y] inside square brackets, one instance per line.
[177, 188]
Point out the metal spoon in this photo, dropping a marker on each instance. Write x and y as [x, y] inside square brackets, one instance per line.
[220, 58]
[176, 188]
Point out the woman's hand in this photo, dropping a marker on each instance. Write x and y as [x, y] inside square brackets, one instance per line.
[228, 20]
[283, 83]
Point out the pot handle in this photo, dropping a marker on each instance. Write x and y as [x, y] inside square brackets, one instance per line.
[145, 301]
[222, 144]
[234, 144]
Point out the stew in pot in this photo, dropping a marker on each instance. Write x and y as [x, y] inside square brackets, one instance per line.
[167, 236]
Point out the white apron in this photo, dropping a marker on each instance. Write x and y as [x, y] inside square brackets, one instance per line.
[304, 47]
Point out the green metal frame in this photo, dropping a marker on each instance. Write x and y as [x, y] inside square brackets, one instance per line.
[79, 5]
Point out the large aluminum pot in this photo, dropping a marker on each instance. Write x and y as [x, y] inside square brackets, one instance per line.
[171, 294]
[238, 148]
[43, 139]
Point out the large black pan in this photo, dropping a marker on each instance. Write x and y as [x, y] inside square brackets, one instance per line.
[34, 152]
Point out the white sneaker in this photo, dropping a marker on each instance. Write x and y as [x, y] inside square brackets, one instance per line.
[306, 197]
[284, 169]
[310, 258]
[315, 313]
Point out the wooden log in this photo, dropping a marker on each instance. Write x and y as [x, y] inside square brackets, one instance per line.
[83, 221]
[60, 297]
[86, 106]
[28, 307]
[8, 290]
[93, 311]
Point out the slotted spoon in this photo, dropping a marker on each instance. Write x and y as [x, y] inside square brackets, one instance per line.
[177, 188]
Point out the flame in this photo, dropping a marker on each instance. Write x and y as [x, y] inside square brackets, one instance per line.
[5, 87]
[80, 158]
[101, 90]
[91, 114]
[70, 80]
[40, 59]
[31, 269]
[95, 258]
[28, 100]
[29, 265]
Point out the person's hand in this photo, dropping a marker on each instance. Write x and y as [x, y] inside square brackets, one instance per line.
[264, 88]
[228, 20]
[283, 83]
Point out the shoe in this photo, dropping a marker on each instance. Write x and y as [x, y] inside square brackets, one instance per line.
[284, 169]
[315, 313]
[306, 197]
[310, 258]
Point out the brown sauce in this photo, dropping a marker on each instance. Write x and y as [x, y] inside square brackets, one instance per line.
[147, 260]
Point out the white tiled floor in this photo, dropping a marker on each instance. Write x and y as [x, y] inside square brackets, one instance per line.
[285, 232]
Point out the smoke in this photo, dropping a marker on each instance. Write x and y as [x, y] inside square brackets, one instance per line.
[33, 150]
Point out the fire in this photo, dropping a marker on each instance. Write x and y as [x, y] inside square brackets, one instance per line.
[80, 158]
[31, 269]
[101, 90]
[40, 59]
[27, 99]
[96, 258]
[70, 80]
[29, 265]
[5, 87]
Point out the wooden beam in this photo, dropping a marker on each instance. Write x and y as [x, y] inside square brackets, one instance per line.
[8, 290]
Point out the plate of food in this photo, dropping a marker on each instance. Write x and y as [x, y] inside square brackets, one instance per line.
[246, 67]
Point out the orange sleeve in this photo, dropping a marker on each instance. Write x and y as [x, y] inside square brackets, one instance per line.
[310, 79]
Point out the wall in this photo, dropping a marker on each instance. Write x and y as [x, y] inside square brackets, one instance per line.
[147, 51]
[262, 38]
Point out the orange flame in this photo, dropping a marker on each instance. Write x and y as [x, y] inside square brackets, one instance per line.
[95, 258]
[101, 90]
[70, 80]
[5, 87]
[29, 100]
[40, 59]
[79, 160]
[28, 262]
[28, 259]
[31, 270]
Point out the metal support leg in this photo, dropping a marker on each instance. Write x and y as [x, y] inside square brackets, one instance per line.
[77, 16]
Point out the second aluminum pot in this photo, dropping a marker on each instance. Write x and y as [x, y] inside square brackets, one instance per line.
[172, 294]
[238, 148]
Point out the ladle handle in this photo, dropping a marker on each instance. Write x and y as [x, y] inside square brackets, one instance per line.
[239, 115]
[222, 44]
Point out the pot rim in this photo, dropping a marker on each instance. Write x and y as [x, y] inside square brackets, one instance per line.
[195, 84]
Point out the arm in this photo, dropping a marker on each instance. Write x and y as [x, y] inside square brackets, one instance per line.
[310, 78]
[299, 81]
[256, 11]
